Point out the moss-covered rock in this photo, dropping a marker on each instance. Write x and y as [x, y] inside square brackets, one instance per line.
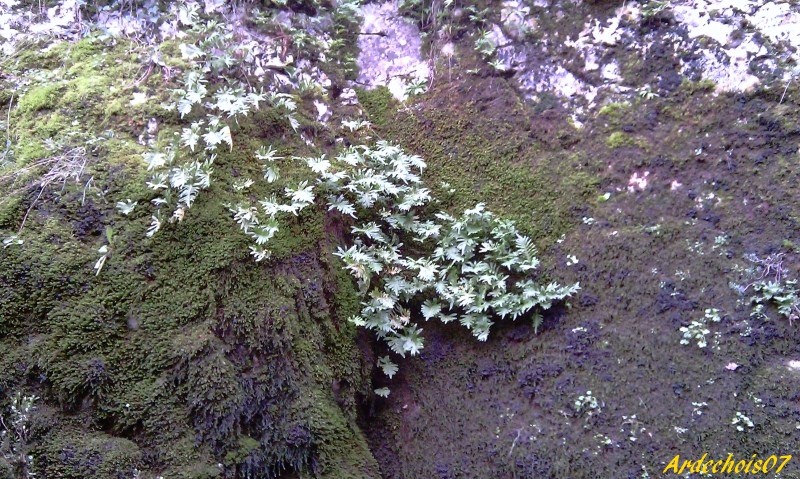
[74, 454]
[181, 357]
[490, 152]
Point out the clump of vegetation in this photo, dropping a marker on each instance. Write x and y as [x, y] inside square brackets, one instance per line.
[214, 93]
[698, 329]
[587, 404]
[464, 269]
[15, 435]
[652, 8]
[444, 18]
[114, 339]
[614, 111]
[619, 139]
[742, 422]
[486, 46]
[772, 287]
[700, 86]
[475, 266]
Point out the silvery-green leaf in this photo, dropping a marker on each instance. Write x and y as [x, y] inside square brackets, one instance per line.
[154, 160]
[190, 52]
[427, 271]
[178, 177]
[242, 184]
[12, 240]
[318, 165]
[158, 181]
[126, 207]
[225, 134]
[213, 138]
[302, 194]
[343, 206]
[255, 99]
[271, 174]
[185, 106]
[388, 367]
[357, 320]
[430, 309]
[260, 253]
[293, 122]
[202, 177]
[267, 154]
[383, 392]
[187, 13]
[190, 136]
[99, 264]
[155, 225]
[371, 230]
[187, 194]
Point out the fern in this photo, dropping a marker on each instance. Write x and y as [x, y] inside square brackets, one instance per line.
[126, 207]
[388, 367]
[409, 264]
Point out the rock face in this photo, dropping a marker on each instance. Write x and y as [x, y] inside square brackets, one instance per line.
[577, 50]
[389, 50]
[665, 133]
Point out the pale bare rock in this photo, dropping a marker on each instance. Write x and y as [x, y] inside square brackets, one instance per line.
[390, 50]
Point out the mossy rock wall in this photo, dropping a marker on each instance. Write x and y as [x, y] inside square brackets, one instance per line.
[182, 357]
[189, 351]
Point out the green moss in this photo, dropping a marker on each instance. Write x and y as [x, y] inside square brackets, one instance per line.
[97, 77]
[347, 299]
[182, 343]
[72, 454]
[790, 246]
[186, 459]
[171, 54]
[87, 87]
[482, 157]
[615, 112]
[10, 207]
[87, 48]
[619, 139]
[380, 104]
[54, 125]
[35, 57]
[43, 97]
[343, 451]
[246, 445]
[114, 107]
[701, 86]
[6, 471]
[6, 94]
[28, 151]
[36, 275]
[101, 341]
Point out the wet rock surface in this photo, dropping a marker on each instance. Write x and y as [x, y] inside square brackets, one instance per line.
[684, 117]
